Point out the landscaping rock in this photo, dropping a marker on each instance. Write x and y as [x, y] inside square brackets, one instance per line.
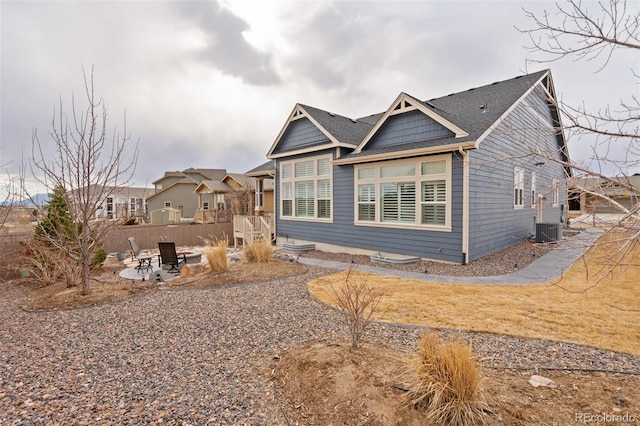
[537, 381]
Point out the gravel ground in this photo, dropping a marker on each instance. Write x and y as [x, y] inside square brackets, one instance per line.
[199, 356]
[499, 263]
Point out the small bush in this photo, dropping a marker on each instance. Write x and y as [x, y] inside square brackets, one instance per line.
[357, 300]
[98, 258]
[216, 254]
[444, 379]
[49, 265]
[259, 250]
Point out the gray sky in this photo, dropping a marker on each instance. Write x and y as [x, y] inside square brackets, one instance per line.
[210, 84]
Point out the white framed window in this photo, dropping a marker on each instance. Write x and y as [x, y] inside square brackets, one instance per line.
[205, 205]
[518, 187]
[555, 187]
[413, 193]
[167, 204]
[534, 194]
[259, 194]
[306, 189]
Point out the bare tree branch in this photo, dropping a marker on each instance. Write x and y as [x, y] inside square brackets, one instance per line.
[88, 165]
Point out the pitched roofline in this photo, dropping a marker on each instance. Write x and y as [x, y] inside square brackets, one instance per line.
[213, 190]
[509, 110]
[405, 103]
[298, 113]
[181, 182]
[404, 154]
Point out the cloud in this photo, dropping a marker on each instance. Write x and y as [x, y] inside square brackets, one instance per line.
[224, 44]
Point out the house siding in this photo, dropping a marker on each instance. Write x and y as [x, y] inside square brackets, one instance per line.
[413, 126]
[179, 195]
[494, 223]
[440, 245]
[299, 134]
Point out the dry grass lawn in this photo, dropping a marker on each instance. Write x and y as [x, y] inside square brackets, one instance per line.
[592, 304]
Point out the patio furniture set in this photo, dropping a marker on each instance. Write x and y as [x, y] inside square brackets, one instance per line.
[168, 258]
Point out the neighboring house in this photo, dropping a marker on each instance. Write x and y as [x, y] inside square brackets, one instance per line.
[264, 175]
[454, 178]
[593, 195]
[176, 190]
[219, 200]
[122, 203]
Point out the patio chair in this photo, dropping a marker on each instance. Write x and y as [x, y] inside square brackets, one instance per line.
[169, 256]
[144, 260]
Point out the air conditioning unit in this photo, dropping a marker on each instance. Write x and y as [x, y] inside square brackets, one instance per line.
[548, 232]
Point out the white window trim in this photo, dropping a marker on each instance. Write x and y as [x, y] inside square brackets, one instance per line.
[417, 179]
[292, 179]
[533, 191]
[167, 204]
[556, 192]
[518, 184]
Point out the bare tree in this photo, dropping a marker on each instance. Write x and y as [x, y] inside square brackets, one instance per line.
[357, 300]
[89, 164]
[594, 33]
[575, 32]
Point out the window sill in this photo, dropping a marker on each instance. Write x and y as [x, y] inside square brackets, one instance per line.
[443, 228]
[306, 219]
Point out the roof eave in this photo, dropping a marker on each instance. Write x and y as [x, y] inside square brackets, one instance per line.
[406, 153]
[311, 149]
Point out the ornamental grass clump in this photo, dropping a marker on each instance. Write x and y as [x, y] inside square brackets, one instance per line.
[216, 253]
[444, 380]
[259, 250]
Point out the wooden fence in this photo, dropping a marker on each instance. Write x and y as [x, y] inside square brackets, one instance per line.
[147, 236]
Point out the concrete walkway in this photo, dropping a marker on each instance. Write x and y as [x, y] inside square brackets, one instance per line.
[546, 268]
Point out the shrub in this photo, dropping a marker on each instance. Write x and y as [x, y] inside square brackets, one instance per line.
[98, 258]
[259, 250]
[444, 379]
[357, 300]
[216, 253]
[49, 265]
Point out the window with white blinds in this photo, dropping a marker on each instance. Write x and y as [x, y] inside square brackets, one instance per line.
[306, 188]
[434, 202]
[367, 202]
[412, 193]
[518, 187]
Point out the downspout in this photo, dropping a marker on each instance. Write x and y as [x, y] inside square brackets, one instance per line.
[465, 205]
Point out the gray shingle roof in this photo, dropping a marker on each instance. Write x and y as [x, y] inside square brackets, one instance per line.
[342, 128]
[473, 110]
[262, 169]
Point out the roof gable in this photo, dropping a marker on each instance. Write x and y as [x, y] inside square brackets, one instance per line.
[311, 129]
[241, 181]
[407, 104]
[412, 126]
[185, 181]
[478, 111]
[211, 187]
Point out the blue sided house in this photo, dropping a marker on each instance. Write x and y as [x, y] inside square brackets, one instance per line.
[453, 178]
